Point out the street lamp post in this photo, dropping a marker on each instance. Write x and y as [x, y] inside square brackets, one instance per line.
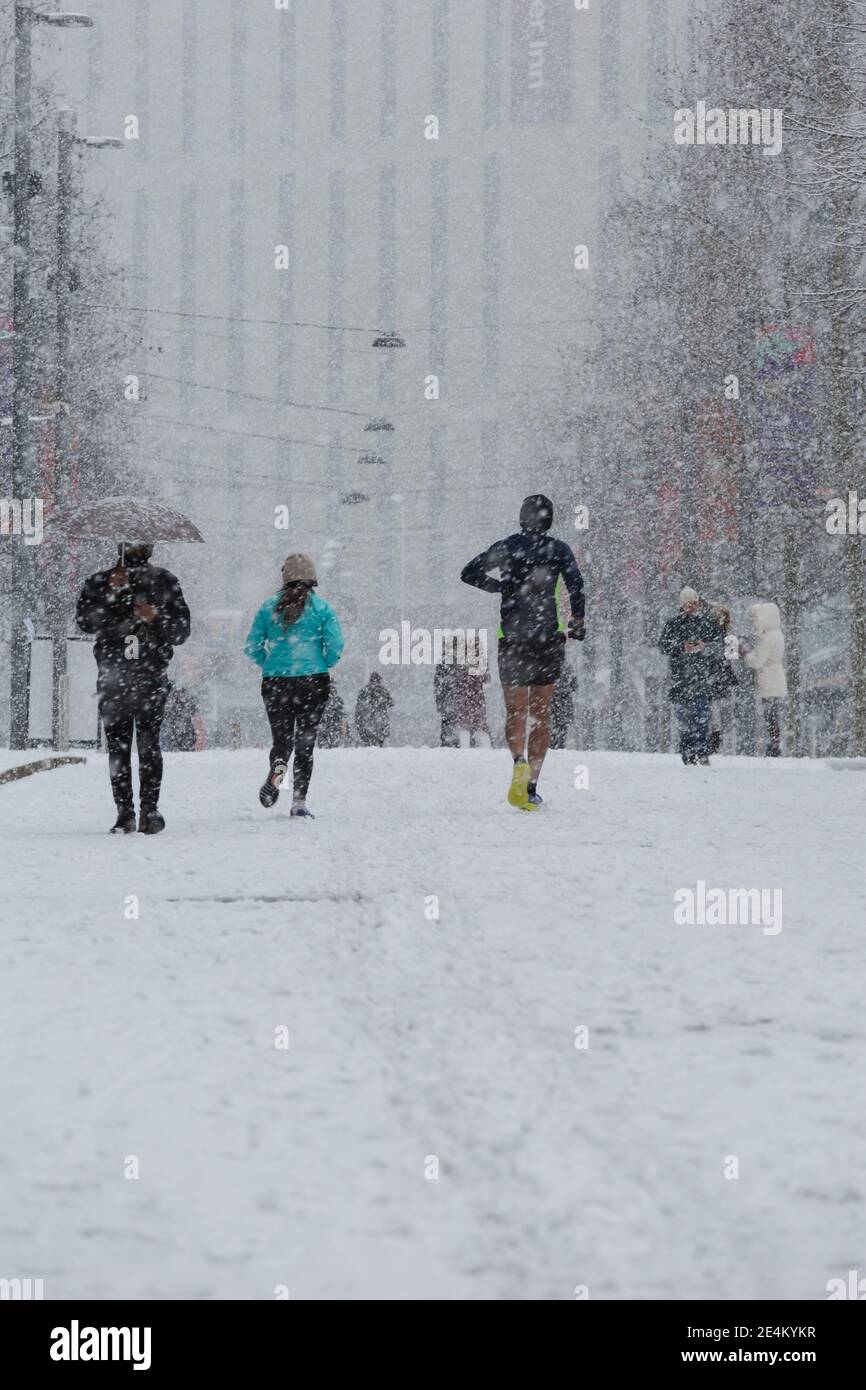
[22, 570]
[67, 139]
[23, 477]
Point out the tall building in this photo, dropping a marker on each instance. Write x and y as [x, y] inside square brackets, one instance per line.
[310, 173]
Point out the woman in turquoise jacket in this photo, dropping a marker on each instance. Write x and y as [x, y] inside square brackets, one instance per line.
[296, 639]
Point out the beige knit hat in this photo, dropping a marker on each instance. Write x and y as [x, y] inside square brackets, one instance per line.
[299, 569]
[688, 595]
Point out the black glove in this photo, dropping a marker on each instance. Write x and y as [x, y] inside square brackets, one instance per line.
[576, 629]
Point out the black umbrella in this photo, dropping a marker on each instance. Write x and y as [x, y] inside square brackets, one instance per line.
[128, 519]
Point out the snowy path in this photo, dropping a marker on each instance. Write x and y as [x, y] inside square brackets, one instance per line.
[409, 1037]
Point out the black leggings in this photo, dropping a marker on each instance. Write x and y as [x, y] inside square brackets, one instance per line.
[294, 706]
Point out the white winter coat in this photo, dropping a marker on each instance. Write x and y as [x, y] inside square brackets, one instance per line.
[766, 656]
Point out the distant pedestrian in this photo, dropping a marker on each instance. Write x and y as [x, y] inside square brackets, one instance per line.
[562, 707]
[470, 704]
[723, 680]
[372, 713]
[334, 728]
[689, 641]
[766, 659]
[444, 694]
[179, 731]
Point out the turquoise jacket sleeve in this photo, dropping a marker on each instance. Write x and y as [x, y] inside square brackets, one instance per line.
[332, 638]
[255, 645]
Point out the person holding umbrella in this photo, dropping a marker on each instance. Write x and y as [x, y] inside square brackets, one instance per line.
[138, 614]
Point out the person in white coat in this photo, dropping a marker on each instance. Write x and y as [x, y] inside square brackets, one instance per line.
[765, 657]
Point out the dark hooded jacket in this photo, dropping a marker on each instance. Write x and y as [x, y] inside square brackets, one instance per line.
[531, 565]
[108, 613]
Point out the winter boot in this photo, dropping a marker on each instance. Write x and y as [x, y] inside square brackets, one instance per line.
[704, 760]
[299, 811]
[150, 822]
[269, 791]
[125, 823]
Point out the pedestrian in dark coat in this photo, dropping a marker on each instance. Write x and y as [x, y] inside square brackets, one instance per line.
[723, 680]
[562, 707]
[689, 641]
[444, 693]
[179, 732]
[139, 615]
[333, 728]
[372, 719]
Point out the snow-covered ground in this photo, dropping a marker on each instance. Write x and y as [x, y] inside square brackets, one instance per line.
[412, 1038]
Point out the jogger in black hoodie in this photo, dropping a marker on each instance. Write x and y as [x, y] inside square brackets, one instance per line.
[534, 568]
[139, 615]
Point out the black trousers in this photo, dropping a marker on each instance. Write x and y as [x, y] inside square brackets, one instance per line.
[773, 728]
[132, 701]
[447, 731]
[294, 706]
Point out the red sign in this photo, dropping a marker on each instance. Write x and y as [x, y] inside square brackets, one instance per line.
[719, 449]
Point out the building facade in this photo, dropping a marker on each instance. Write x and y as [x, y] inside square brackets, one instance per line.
[309, 174]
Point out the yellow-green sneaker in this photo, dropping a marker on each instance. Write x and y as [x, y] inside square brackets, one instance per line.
[518, 794]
